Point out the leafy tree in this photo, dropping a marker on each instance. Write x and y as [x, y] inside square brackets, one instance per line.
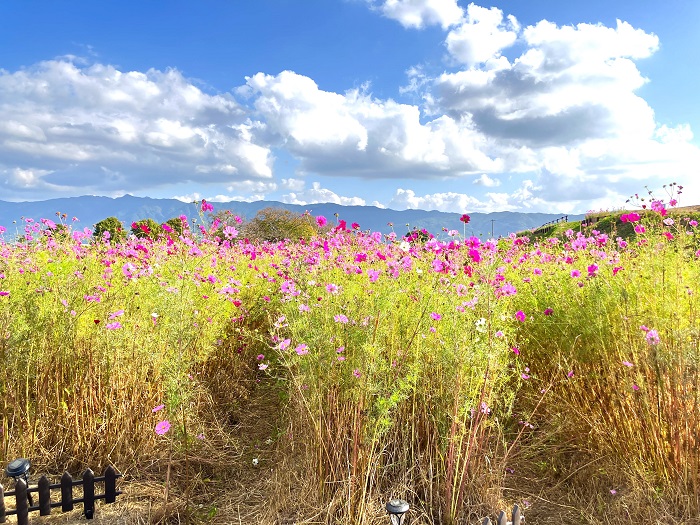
[176, 224]
[275, 224]
[113, 226]
[146, 229]
[225, 225]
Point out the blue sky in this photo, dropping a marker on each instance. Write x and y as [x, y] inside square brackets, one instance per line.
[520, 105]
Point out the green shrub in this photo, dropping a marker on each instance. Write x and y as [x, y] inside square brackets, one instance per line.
[146, 229]
[275, 224]
[113, 227]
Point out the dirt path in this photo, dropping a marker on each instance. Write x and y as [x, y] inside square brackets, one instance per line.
[228, 486]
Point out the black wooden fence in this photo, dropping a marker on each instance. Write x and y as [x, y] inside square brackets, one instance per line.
[515, 518]
[23, 499]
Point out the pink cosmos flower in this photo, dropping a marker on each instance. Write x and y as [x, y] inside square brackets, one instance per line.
[356, 373]
[262, 366]
[652, 337]
[230, 232]
[206, 206]
[435, 316]
[575, 273]
[162, 427]
[520, 316]
[321, 221]
[570, 374]
[113, 326]
[548, 311]
[340, 318]
[4, 293]
[158, 408]
[639, 229]
[516, 350]
[302, 349]
[128, 270]
[627, 363]
[635, 387]
[659, 208]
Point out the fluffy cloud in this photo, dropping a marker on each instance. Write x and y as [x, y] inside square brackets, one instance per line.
[481, 35]
[354, 134]
[318, 194]
[194, 197]
[66, 127]
[522, 198]
[420, 13]
[486, 181]
[571, 84]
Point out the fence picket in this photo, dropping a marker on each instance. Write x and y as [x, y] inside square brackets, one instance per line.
[89, 493]
[502, 520]
[22, 506]
[44, 496]
[2, 504]
[516, 515]
[110, 485]
[66, 492]
[486, 521]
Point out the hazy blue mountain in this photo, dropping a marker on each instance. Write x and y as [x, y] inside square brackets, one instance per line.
[90, 210]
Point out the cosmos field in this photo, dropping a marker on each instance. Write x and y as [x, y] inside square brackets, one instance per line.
[462, 374]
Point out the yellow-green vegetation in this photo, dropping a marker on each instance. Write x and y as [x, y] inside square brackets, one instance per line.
[464, 376]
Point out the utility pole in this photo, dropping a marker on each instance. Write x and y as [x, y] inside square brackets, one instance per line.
[492, 221]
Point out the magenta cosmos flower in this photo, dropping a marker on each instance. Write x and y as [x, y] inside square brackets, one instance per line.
[162, 427]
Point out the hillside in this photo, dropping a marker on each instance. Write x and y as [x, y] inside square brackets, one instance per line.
[90, 210]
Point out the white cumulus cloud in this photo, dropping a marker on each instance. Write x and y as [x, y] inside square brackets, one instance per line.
[481, 35]
[522, 198]
[486, 181]
[317, 194]
[354, 134]
[79, 128]
[420, 13]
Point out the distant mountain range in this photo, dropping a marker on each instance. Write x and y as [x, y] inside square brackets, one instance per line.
[90, 210]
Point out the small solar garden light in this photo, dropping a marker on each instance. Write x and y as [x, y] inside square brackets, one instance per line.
[19, 469]
[397, 509]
